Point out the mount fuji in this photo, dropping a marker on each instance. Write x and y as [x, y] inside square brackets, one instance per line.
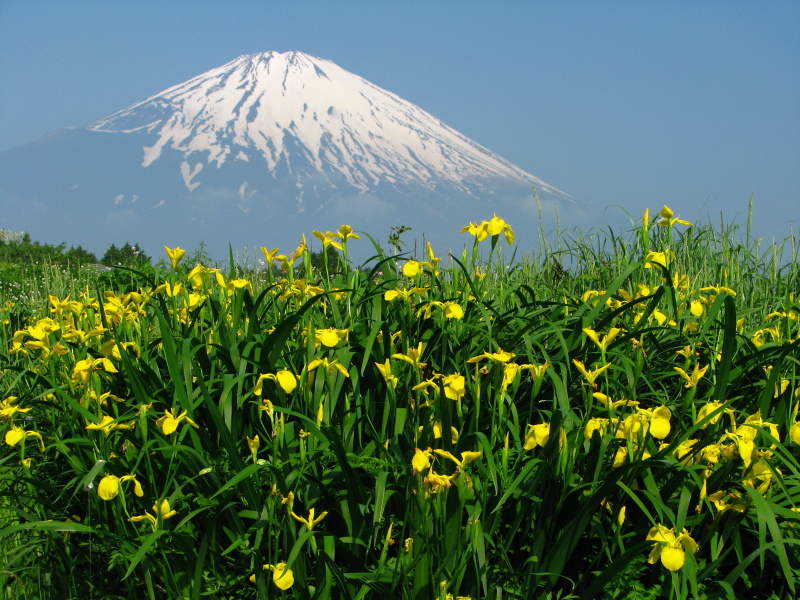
[256, 152]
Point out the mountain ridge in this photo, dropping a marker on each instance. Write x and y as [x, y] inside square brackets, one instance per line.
[281, 137]
[178, 116]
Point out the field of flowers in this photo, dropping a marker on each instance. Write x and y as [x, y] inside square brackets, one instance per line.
[614, 417]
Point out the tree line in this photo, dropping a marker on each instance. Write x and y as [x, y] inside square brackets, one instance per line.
[19, 249]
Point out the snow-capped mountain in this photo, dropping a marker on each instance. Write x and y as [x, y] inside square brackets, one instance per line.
[307, 116]
[257, 151]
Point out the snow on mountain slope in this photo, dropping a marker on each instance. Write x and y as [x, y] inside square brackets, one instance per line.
[257, 152]
[309, 117]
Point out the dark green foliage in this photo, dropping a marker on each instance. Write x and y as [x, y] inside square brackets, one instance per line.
[126, 256]
[395, 237]
[199, 255]
[528, 517]
[26, 252]
[334, 259]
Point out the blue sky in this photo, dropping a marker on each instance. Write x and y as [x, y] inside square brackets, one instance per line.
[620, 104]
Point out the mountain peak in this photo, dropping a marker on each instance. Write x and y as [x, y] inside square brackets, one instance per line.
[274, 108]
[263, 148]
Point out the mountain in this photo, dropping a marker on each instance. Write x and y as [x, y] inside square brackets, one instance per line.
[254, 153]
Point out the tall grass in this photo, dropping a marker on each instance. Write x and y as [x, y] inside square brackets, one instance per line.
[427, 429]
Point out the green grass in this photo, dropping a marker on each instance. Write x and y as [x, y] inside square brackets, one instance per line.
[536, 514]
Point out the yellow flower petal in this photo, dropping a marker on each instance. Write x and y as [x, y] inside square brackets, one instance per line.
[286, 380]
[411, 268]
[794, 433]
[421, 460]
[672, 558]
[538, 435]
[659, 428]
[175, 255]
[108, 488]
[14, 435]
[468, 457]
[283, 576]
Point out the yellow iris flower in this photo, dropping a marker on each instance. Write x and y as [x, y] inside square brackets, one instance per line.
[253, 444]
[16, 434]
[670, 547]
[693, 379]
[749, 429]
[282, 576]
[600, 425]
[413, 356]
[83, 369]
[330, 337]
[435, 482]
[345, 232]
[538, 435]
[322, 237]
[198, 277]
[655, 258]
[108, 424]
[114, 349]
[8, 408]
[478, 230]
[269, 255]
[329, 238]
[733, 501]
[794, 432]
[175, 256]
[668, 218]
[708, 409]
[169, 422]
[235, 284]
[510, 371]
[162, 511]
[452, 310]
[428, 383]
[421, 460]
[466, 457]
[646, 420]
[59, 306]
[613, 404]
[311, 520]
[606, 340]
[658, 420]
[329, 366]
[285, 378]
[386, 370]
[500, 356]
[494, 227]
[108, 488]
[696, 308]
[592, 375]
[433, 260]
[404, 294]
[411, 268]
[454, 386]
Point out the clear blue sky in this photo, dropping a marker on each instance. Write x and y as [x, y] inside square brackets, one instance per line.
[631, 104]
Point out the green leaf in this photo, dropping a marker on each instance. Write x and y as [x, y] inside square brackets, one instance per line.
[240, 476]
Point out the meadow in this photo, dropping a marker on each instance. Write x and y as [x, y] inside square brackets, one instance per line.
[610, 416]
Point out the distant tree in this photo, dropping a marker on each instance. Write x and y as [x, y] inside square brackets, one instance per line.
[127, 256]
[335, 262]
[79, 256]
[112, 256]
[19, 249]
